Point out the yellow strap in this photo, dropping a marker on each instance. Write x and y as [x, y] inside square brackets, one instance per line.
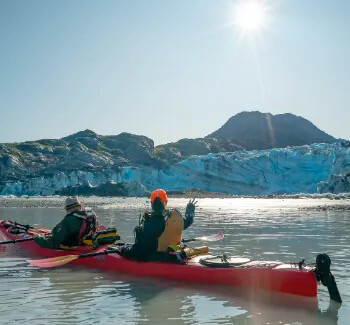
[195, 251]
[69, 248]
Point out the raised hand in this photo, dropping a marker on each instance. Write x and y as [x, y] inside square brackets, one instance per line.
[190, 208]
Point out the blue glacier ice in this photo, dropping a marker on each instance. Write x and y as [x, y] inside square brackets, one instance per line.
[303, 169]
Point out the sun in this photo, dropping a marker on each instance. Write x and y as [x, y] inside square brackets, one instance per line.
[250, 16]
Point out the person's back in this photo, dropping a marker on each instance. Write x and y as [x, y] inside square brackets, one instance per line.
[71, 231]
[159, 230]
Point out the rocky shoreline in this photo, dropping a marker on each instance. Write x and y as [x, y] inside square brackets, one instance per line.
[327, 202]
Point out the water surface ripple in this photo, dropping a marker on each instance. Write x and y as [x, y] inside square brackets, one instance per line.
[269, 229]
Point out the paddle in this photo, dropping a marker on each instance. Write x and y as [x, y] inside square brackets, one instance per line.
[214, 237]
[62, 260]
[14, 241]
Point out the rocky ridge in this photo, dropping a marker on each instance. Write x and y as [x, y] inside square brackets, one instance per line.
[83, 151]
[127, 164]
[256, 130]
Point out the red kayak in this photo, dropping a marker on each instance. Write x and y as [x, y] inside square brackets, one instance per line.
[272, 276]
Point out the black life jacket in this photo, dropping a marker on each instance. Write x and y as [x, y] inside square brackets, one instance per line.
[172, 233]
[88, 225]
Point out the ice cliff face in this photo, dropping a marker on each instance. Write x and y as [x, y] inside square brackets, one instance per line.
[336, 184]
[303, 169]
[288, 170]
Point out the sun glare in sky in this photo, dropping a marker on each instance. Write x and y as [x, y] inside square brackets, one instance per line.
[250, 16]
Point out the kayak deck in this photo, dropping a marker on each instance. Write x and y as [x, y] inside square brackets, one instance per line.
[266, 275]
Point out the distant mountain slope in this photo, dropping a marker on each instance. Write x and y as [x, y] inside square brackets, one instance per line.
[88, 151]
[256, 130]
[86, 162]
[82, 151]
[184, 148]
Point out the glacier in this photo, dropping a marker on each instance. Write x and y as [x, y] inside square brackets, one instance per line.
[303, 169]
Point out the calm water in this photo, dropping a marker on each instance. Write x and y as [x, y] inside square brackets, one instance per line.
[268, 229]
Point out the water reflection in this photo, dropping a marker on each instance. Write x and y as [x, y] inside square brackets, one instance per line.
[71, 295]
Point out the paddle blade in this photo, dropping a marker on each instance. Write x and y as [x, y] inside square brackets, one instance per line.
[214, 237]
[333, 289]
[54, 261]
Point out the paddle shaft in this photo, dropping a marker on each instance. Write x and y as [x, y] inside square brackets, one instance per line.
[214, 237]
[14, 241]
[106, 251]
[189, 240]
[62, 260]
[26, 227]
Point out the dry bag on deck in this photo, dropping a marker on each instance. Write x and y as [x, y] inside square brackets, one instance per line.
[103, 237]
[195, 251]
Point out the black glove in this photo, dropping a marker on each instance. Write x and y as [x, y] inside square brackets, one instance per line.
[191, 206]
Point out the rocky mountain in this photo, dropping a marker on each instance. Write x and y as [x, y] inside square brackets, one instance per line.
[82, 151]
[256, 130]
[88, 151]
[184, 148]
[127, 164]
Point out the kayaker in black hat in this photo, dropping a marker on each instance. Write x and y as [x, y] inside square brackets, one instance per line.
[77, 224]
[159, 230]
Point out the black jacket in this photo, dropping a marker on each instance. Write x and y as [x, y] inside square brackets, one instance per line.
[64, 233]
[146, 242]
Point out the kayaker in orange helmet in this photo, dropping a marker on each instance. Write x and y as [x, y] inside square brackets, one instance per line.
[160, 229]
[77, 224]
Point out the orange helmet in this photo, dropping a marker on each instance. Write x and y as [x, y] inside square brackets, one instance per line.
[161, 194]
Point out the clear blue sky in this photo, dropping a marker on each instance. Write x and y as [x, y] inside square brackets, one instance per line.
[167, 69]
